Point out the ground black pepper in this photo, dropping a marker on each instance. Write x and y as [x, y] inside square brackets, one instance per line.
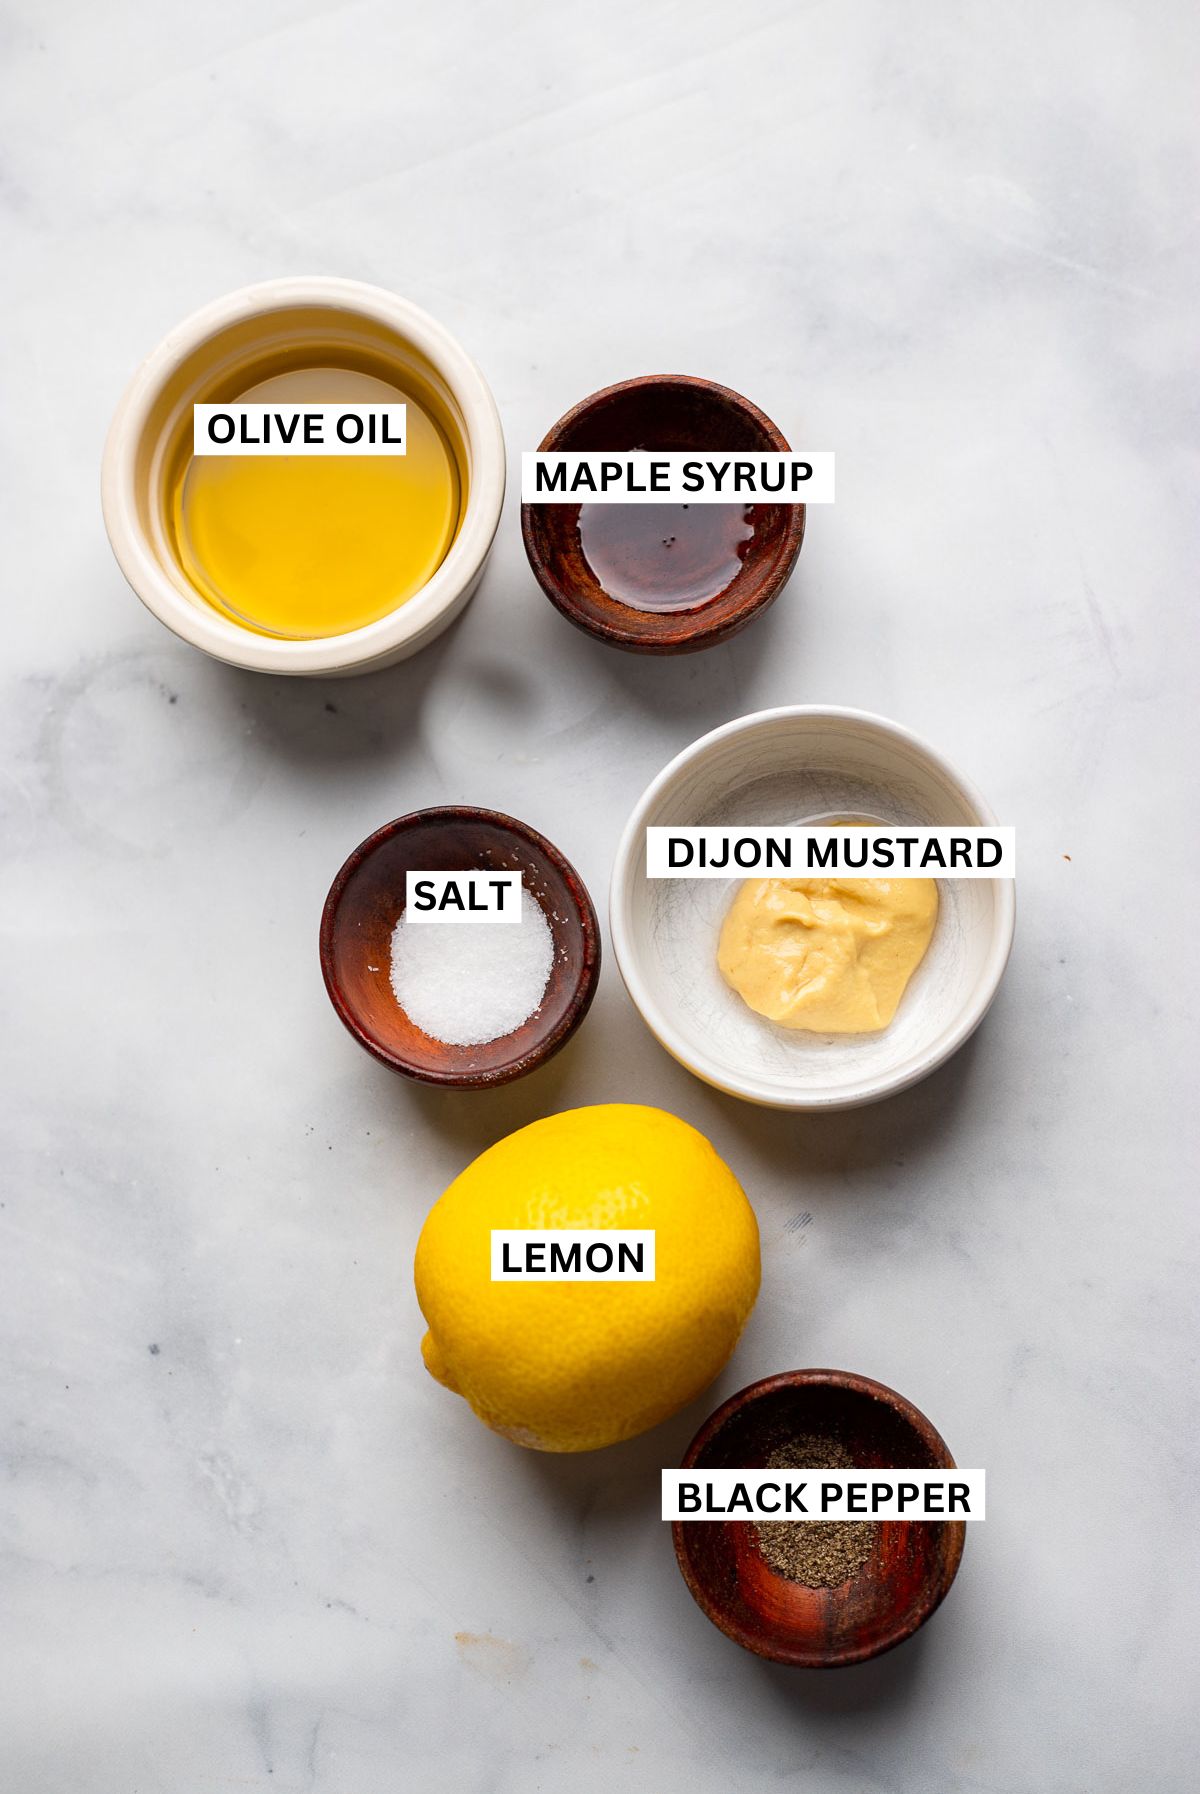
[817, 1553]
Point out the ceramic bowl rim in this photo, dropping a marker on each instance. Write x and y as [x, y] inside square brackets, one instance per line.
[626, 868]
[422, 615]
[588, 922]
[853, 1383]
[691, 632]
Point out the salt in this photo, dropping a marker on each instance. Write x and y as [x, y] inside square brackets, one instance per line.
[465, 984]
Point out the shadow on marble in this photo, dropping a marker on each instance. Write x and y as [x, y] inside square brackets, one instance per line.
[900, 1131]
[890, 1681]
[639, 1460]
[404, 711]
[370, 717]
[476, 1119]
[709, 687]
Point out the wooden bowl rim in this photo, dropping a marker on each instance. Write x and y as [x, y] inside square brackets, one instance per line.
[935, 1591]
[686, 635]
[589, 926]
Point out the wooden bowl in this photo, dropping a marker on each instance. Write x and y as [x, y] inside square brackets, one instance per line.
[907, 1575]
[661, 411]
[365, 902]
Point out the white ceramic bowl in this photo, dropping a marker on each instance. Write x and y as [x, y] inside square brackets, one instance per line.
[156, 409]
[789, 766]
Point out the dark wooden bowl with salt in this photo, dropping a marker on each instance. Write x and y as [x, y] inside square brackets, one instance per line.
[365, 902]
[911, 1565]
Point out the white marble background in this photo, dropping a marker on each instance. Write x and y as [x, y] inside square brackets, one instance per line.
[245, 1543]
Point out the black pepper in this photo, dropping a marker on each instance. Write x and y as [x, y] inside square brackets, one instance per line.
[817, 1553]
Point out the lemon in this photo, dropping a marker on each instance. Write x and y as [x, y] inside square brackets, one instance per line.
[569, 1366]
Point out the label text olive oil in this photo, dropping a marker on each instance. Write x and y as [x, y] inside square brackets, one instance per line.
[314, 545]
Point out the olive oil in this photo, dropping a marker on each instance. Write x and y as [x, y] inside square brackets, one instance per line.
[302, 546]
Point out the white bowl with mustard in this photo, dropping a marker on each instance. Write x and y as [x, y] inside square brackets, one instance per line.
[313, 562]
[810, 993]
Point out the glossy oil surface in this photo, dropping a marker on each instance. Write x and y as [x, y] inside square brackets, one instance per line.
[313, 545]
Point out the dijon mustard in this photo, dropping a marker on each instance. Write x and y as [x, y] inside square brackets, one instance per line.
[833, 955]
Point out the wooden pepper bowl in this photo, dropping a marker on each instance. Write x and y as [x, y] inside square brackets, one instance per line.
[907, 1575]
[365, 902]
[665, 412]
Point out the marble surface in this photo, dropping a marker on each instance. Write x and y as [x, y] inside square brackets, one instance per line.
[245, 1542]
